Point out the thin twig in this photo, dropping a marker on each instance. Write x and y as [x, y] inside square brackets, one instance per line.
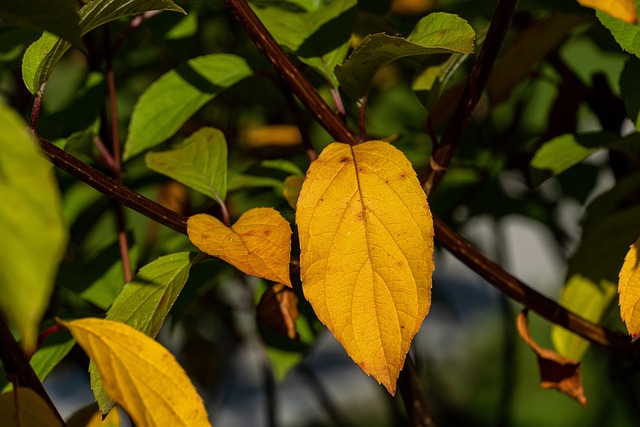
[444, 151]
[17, 366]
[35, 110]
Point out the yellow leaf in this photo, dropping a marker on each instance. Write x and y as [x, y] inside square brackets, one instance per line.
[90, 416]
[26, 409]
[366, 241]
[629, 290]
[621, 9]
[259, 243]
[140, 374]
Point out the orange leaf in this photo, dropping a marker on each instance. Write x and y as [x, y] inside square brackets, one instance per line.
[139, 374]
[629, 290]
[366, 241]
[621, 9]
[259, 243]
[555, 371]
[278, 308]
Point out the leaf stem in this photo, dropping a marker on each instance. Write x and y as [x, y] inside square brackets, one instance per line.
[35, 110]
[444, 151]
[16, 365]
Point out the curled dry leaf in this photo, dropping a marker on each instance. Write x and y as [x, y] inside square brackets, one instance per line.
[366, 242]
[278, 308]
[259, 243]
[629, 290]
[555, 371]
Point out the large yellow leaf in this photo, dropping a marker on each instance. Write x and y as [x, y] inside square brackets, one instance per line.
[366, 241]
[259, 243]
[140, 374]
[629, 290]
[621, 9]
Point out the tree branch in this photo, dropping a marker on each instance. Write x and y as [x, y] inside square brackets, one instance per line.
[444, 151]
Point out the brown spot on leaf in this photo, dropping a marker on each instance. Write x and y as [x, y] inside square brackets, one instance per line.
[344, 160]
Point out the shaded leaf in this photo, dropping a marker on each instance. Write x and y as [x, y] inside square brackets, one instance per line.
[167, 104]
[144, 304]
[199, 162]
[26, 409]
[42, 56]
[629, 290]
[259, 243]
[435, 33]
[278, 308]
[55, 16]
[141, 375]
[366, 241]
[624, 10]
[626, 34]
[319, 38]
[90, 416]
[555, 371]
[32, 228]
[628, 85]
[50, 352]
[591, 300]
[292, 187]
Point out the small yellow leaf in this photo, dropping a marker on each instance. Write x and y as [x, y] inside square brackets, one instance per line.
[259, 243]
[140, 374]
[366, 240]
[629, 290]
[26, 409]
[621, 9]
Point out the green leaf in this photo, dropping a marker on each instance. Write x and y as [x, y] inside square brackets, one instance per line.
[241, 181]
[42, 56]
[33, 232]
[167, 104]
[49, 354]
[144, 303]
[32, 410]
[199, 162]
[435, 33]
[55, 16]
[627, 35]
[592, 274]
[629, 89]
[319, 38]
[560, 153]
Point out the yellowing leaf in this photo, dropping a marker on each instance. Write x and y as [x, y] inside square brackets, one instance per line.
[366, 241]
[259, 243]
[140, 374]
[621, 9]
[629, 290]
[26, 409]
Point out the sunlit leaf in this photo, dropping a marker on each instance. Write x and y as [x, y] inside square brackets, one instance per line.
[140, 374]
[278, 308]
[320, 38]
[42, 56]
[366, 241]
[55, 16]
[435, 33]
[26, 409]
[624, 10]
[32, 228]
[626, 34]
[556, 371]
[144, 304]
[259, 243]
[167, 104]
[629, 290]
[199, 162]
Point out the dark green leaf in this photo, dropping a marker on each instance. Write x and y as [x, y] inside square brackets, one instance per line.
[43, 55]
[629, 89]
[55, 16]
[199, 162]
[177, 95]
[435, 33]
[32, 228]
